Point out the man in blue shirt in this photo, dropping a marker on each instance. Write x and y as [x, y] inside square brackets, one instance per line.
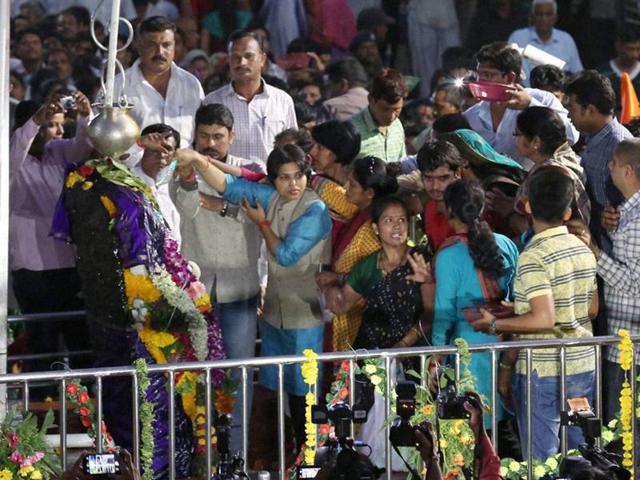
[542, 34]
[590, 100]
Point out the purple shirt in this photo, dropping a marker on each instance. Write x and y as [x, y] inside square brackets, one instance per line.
[35, 186]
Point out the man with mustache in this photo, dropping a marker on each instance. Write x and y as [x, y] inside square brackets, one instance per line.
[260, 110]
[223, 243]
[160, 91]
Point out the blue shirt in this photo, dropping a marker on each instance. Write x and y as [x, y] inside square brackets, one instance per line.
[502, 139]
[303, 233]
[595, 161]
[560, 45]
[458, 287]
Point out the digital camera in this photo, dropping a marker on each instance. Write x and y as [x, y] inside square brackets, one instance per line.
[101, 464]
[450, 405]
[68, 102]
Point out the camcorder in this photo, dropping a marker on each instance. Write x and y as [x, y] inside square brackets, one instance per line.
[101, 464]
[340, 450]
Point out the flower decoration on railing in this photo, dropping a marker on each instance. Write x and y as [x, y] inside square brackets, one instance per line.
[145, 410]
[24, 453]
[309, 371]
[84, 407]
[626, 400]
[456, 439]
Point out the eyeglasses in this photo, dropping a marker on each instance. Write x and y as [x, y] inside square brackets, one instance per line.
[490, 75]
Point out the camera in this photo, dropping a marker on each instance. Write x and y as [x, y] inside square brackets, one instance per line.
[230, 467]
[450, 405]
[340, 415]
[340, 450]
[68, 102]
[581, 415]
[100, 464]
[402, 432]
[307, 472]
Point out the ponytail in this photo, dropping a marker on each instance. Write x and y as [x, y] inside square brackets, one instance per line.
[466, 201]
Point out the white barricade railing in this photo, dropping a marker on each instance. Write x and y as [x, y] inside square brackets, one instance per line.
[247, 365]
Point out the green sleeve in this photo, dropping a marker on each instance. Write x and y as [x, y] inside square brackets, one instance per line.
[364, 275]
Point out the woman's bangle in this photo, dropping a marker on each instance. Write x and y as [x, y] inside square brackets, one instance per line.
[505, 366]
[265, 223]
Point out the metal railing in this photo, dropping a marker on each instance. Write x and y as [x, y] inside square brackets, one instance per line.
[246, 365]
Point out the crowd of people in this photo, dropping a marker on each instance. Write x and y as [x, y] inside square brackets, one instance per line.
[301, 158]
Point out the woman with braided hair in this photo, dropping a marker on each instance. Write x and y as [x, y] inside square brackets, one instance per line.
[472, 268]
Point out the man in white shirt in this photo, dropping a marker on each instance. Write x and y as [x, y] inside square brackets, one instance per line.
[260, 111]
[151, 169]
[542, 35]
[495, 121]
[160, 91]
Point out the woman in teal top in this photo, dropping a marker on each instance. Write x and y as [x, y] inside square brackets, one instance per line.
[474, 250]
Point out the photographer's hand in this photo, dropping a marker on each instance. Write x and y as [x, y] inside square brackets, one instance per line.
[475, 409]
[76, 472]
[128, 470]
[428, 450]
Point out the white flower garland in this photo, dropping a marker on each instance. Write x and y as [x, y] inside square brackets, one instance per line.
[179, 299]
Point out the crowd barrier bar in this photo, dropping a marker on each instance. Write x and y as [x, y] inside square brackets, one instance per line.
[23, 380]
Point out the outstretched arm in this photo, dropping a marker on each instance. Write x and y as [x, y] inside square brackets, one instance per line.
[188, 160]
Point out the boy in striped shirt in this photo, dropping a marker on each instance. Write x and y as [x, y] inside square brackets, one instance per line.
[555, 297]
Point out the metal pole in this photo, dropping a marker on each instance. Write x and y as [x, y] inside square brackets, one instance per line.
[245, 415]
[352, 394]
[529, 417]
[598, 398]
[113, 50]
[494, 400]
[172, 426]
[63, 424]
[563, 398]
[99, 414]
[207, 396]
[281, 458]
[5, 21]
[387, 414]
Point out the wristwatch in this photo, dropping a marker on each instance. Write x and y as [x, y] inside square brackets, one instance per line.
[492, 326]
[223, 210]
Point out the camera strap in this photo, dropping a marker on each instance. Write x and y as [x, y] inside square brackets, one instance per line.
[414, 474]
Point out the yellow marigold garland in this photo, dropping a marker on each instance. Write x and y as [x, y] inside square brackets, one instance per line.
[626, 400]
[310, 376]
[140, 287]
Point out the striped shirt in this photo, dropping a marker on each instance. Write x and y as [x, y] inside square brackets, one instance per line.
[620, 272]
[388, 147]
[256, 123]
[595, 161]
[557, 263]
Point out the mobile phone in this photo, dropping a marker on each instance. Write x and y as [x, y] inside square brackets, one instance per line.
[308, 472]
[491, 91]
[100, 464]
